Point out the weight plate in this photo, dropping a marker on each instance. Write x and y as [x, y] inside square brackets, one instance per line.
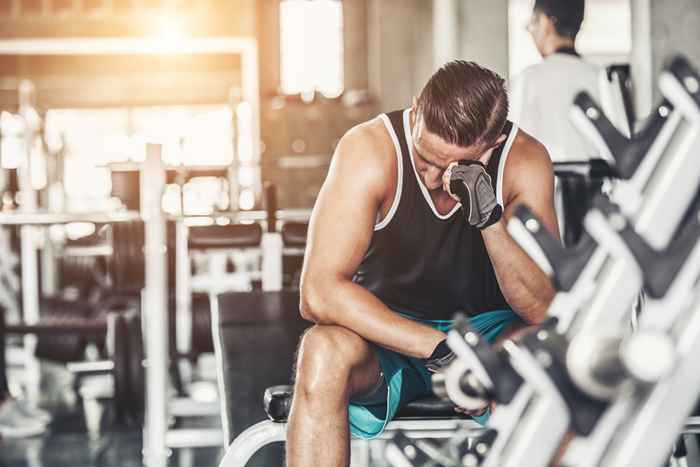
[136, 369]
[118, 343]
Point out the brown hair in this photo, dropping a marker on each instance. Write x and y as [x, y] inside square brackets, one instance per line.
[464, 104]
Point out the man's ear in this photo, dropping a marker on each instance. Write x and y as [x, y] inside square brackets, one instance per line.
[414, 111]
[486, 156]
[547, 24]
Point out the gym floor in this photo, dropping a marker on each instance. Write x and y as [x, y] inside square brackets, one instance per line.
[67, 444]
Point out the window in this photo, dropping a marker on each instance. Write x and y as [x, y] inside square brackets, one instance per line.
[311, 46]
[605, 35]
[191, 136]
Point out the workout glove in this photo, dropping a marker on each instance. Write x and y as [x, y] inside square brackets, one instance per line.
[470, 182]
[441, 358]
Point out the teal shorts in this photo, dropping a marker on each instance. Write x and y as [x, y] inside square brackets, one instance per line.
[406, 378]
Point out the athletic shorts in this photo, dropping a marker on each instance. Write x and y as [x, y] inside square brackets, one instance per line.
[405, 379]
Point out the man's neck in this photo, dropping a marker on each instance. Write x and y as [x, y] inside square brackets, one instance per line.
[557, 43]
[444, 203]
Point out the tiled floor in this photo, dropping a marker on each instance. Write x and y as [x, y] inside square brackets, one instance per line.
[67, 444]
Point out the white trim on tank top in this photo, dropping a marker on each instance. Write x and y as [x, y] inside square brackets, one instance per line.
[426, 193]
[502, 164]
[399, 180]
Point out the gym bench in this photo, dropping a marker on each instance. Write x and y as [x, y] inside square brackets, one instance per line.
[255, 338]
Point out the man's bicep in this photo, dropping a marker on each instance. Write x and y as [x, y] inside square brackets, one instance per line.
[342, 222]
[534, 187]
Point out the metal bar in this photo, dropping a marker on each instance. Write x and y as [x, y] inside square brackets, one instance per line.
[154, 310]
[90, 368]
[186, 407]
[74, 326]
[194, 438]
[183, 298]
[50, 218]
[28, 253]
[97, 250]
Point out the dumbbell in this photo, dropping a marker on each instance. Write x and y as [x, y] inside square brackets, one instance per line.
[122, 331]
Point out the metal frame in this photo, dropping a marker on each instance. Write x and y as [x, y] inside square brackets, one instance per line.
[669, 172]
[267, 432]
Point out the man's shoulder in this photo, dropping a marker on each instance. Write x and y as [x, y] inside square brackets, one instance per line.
[368, 148]
[367, 144]
[528, 164]
[527, 150]
[527, 156]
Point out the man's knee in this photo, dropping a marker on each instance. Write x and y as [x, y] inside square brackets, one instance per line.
[327, 355]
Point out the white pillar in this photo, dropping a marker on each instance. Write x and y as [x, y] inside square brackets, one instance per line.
[445, 31]
[154, 309]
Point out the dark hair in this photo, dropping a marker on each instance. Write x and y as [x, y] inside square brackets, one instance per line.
[464, 104]
[567, 15]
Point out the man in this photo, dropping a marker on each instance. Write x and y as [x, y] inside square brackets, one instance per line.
[391, 257]
[542, 95]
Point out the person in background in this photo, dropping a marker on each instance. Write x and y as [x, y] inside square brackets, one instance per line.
[541, 96]
[17, 419]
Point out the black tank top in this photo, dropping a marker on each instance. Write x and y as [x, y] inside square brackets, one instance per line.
[423, 264]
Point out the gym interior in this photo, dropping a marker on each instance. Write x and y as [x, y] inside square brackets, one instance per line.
[206, 129]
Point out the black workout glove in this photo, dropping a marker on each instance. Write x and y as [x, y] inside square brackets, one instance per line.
[441, 357]
[470, 182]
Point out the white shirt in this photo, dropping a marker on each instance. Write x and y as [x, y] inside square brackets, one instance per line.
[540, 102]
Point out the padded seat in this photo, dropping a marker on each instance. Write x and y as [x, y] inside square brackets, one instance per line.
[294, 234]
[225, 236]
[278, 401]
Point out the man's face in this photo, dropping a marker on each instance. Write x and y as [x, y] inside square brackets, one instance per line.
[433, 154]
[539, 27]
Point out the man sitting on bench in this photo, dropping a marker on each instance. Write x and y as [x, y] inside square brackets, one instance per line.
[391, 256]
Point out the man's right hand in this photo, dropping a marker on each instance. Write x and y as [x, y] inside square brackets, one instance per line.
[441, 357]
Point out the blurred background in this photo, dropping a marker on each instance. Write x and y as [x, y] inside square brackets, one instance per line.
[241, 96]
[322, 66]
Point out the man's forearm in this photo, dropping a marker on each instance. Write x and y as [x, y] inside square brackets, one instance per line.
[526, 288]
[344, 303]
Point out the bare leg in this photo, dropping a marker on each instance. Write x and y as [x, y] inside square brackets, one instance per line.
[333, 364]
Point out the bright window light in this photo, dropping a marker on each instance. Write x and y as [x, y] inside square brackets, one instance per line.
[311, 45]
[246, 199]
[191, 136]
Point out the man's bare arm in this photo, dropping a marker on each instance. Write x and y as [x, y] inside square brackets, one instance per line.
[530, 180]
[340, 231]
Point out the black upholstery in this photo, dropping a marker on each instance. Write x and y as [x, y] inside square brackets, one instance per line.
[579, 181]
[277, 402]
[258, 333]
[225, 236]
[257, 337]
